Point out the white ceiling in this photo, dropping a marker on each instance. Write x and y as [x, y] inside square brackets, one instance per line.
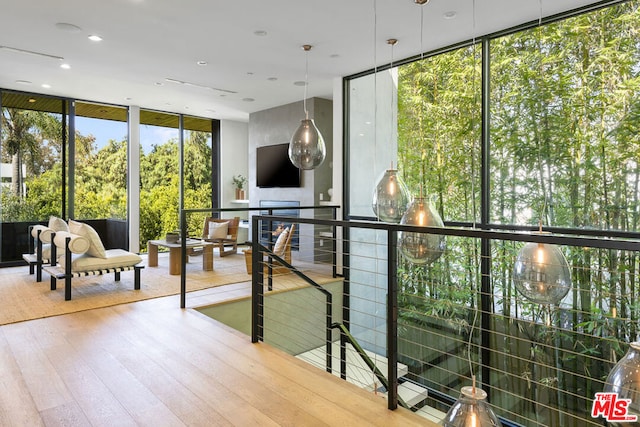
[147, 41]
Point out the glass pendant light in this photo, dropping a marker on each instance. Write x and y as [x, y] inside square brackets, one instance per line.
[307, 148]
[471, 410]
[390, 195]
[624, 379]
[541, 273]
[421, 248]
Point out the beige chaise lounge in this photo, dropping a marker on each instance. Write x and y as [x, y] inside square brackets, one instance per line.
[82, 254]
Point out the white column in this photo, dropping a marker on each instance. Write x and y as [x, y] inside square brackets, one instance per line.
[134, 179]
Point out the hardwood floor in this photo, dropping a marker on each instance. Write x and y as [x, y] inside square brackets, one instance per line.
[151, 363]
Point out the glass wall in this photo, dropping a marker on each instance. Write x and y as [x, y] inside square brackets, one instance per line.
[100, 161]
[159, 175]
[198, 170]
[564, 122]
[160, 141]
[561, 149]
[36, 180]
[33, 131]
[32, 150]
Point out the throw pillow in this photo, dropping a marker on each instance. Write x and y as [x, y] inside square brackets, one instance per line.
[57, 224]
[281, 243]
[96, 248]
[218, 230]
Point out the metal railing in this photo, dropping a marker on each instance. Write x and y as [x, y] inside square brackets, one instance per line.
[440, 324]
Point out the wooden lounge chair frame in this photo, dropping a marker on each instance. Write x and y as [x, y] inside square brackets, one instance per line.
[232, 235]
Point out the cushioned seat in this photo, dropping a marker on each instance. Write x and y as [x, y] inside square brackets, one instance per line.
[85, 255]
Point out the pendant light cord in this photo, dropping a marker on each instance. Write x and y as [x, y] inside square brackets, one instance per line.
[375, 88]
[473, 193]
[306, 48]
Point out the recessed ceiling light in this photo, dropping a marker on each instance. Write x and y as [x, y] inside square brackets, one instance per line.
[65, 66]
[300, 83]
[249, 73]
[334, 55]
[159, 84]
[70, 28]
[209, 110]
[450, 14]
[272, 79]
[202, 63]
[248, 99]
[95, 38]
[260, 33]
[32, 100]
[128, 98]
[186, 107]
[46, 85]
[23, 82]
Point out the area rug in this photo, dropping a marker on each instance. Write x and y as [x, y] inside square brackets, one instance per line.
[25, 299]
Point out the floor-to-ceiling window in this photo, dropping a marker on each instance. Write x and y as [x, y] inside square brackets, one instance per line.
[46, 171]
[198, 169]
[560, 151]
[159, 174]
[33, 142]
[162, 148]
[100, 161]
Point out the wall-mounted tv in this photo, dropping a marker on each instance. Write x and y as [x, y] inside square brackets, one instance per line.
[274, 169]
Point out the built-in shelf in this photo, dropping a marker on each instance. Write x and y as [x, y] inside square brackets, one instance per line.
[246, 202]
[326, 203]
[328, 234]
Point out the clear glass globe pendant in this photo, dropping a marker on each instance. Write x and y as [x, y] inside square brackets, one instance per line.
[390, 197]
[624, 379]
[306, 148]
[541, 273]
[471, 410]
[421, 248]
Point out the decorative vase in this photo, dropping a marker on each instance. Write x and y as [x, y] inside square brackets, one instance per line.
[239, 194]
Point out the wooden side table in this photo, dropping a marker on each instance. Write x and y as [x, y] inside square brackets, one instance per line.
[175, 254]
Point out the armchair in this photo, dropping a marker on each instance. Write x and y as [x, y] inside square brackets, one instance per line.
[222, 232]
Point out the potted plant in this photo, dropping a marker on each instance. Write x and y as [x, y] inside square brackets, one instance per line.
[239, 181]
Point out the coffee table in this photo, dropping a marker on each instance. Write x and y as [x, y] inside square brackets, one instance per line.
[175, 250]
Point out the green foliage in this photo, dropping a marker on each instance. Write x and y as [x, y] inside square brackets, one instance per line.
[564, 148]
[239, 181]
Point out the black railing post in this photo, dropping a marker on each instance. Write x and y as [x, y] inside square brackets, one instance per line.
[329, 334]
[346, 300]
[334, 243]
[257, 285]
[269, 261]
[392, 317]
[183, 259]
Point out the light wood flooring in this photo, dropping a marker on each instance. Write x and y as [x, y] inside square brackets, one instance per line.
[151, 363]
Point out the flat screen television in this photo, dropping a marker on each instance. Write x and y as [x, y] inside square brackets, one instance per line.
[274, 169]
